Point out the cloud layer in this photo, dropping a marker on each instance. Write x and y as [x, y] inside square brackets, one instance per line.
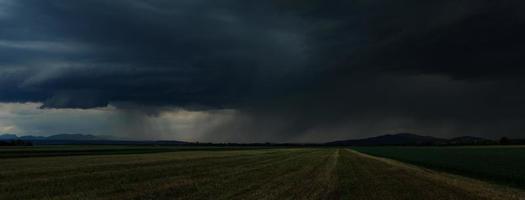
[281, 70]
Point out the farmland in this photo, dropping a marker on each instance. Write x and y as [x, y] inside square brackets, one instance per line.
[78, 150]
[171, 173]
[500, 164]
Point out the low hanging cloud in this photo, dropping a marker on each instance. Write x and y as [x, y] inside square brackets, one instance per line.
[110, 122]
[271, 70]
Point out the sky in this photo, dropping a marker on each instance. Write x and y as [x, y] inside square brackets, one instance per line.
[262, 71]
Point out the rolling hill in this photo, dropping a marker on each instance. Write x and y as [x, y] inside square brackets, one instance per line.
[412, 139]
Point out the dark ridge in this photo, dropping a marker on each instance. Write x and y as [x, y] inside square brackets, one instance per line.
[409, 139]
[396, 139]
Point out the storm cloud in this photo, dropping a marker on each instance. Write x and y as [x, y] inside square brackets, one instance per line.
[284, 70]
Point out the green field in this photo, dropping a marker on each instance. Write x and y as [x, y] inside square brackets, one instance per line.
[500, 164]
[308, 173]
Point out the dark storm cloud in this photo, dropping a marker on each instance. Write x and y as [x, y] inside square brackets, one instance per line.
[292, 68]
[158, 52]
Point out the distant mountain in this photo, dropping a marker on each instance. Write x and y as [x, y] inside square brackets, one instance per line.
[8, 137]
[412, 139]
[396, 139]
[30, 137]
[73, 137]
[62, 139]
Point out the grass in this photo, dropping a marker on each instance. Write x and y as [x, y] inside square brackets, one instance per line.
[500, 164]
[78, 150]
[307, 173]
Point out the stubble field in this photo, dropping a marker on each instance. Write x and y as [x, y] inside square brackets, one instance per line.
[307, 173]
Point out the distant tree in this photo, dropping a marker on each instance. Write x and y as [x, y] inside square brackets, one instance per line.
[16, 143]
[504, 141]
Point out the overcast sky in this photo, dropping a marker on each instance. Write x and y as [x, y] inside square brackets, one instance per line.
[258, 71]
